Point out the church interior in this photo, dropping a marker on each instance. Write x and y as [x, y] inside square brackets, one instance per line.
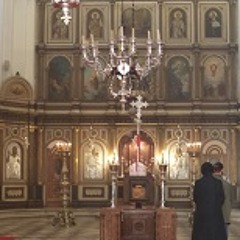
[108, 110]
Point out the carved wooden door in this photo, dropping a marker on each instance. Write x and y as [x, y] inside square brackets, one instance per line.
[53, 178]
[128, 151]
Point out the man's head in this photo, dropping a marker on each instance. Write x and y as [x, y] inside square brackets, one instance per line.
[207, 169]
[217, 167]
[14, 150]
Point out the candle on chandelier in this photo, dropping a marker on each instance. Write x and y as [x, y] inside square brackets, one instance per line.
[133, 33]
[149, 35]
[92, 38]
[121, 32]
[158, 35]
[83, 40]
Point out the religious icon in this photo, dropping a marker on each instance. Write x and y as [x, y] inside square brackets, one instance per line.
[138, 191]
[142, 22]
[59, 79]
[60, 30]
[178, 24]
[95, 24]
[214, 84]
[93, 161]
[179, 86]
[179, 165]
[14, 162]
[213, 24]
[95, 87]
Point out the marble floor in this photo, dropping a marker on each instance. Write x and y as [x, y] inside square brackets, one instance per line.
[36, 224]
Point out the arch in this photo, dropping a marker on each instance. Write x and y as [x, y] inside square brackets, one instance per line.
[127, 148]
[94, 160]
[215, 150]
[214, 146]
[17, 88]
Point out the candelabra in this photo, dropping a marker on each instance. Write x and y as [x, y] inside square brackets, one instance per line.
[162, 169]
[122, 70]
[193, 150]
[113, 167]
[66, 5]
[64, 217]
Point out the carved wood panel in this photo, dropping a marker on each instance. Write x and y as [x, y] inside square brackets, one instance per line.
[138, 224]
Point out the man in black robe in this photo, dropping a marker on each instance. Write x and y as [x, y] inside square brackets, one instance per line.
[208, 195]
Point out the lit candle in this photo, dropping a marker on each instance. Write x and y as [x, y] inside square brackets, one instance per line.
[149, 35]
[162, 158]
[133, 33]
[92, 38]
[121, 31]
[114, 157]
[83, 40]
[69, 146]
[158, 35]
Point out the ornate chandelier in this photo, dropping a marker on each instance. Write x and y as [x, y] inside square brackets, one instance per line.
[122, 70]
[66, 5]
[194, 148]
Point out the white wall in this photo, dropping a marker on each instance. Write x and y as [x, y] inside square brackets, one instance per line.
[1, 27]
[17, 39]
[238, 36]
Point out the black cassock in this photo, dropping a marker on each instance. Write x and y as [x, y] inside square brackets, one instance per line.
[208, 217]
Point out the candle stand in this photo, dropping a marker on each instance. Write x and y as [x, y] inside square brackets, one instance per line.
[113, 167]
[64, 217]
[162, 170]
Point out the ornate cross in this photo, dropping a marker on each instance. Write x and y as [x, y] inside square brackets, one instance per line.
[138, 104]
